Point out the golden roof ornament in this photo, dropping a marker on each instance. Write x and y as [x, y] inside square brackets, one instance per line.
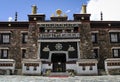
[58, 12]
[34, 9]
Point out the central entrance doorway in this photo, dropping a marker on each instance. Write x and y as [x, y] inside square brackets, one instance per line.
[59, 62]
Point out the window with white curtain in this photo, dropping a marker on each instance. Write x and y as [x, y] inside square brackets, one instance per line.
[116, 53]
[94, 37]
[4, 53]
[114, 37]
[5, 38]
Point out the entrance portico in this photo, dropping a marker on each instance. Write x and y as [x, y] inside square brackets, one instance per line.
[59, 62]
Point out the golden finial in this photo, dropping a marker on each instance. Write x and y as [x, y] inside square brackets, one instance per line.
[58, 12]
[34, 9]
[84, 11]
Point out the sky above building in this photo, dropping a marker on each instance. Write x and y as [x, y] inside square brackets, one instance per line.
[109, 8]
[48, 7]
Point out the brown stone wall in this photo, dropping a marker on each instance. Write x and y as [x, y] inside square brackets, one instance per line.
[32, 41]
[104, 47]
[15, 49]
[85, 41]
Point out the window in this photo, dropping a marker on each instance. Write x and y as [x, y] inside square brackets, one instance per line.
[27, 67]
[83, 68]
[95, 53]
[114, 37]
[50, 30]
[68, 30]
[63, 31]
[59, 30]
[42, 30]
[75, 29]
[116, 53]
[35, 68]
[91, 68]
[5, 38]
[4, 53]
[23, 53]
[94, 37]
[46, 30]
[24, 37]
[72, 31]
[54, 30]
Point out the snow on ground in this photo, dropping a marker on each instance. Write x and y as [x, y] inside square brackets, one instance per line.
[14, 78]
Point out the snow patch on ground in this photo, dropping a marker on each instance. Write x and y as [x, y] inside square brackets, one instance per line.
[15, 78]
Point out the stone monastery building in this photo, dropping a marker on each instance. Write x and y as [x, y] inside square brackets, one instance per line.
[45, 47]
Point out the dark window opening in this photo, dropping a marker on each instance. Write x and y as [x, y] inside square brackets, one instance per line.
[5, 38]
[91, 68]
[116, 53]
[68, 30]
[60, 30]
[35, 68]
[24, 37]
[94, 37]
[95, 53]
[27, 67]
[75, 29]
[115, 37]
[42, 30]
[4, 53]
[23, 53]
[83, 68]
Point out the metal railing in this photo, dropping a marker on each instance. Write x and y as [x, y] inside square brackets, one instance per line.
[59, 35]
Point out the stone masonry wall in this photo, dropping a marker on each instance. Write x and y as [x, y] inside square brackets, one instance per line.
[32, 41]
[15, 49]
[104, 47]
[85, 41]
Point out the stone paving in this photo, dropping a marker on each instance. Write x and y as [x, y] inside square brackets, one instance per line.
[14, 78]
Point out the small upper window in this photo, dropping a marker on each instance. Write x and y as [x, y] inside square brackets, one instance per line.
[114, 37]
[23, 53]
[4, 53]
[24, 37]
[95, 53]
[5, 38]
[116, 53]
[94, 37]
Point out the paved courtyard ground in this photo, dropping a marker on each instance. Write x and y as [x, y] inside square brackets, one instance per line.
[14, 78]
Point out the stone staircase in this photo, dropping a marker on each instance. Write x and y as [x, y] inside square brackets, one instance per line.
[59, 74]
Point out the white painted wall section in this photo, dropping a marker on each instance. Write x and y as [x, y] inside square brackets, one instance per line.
[33, 70]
